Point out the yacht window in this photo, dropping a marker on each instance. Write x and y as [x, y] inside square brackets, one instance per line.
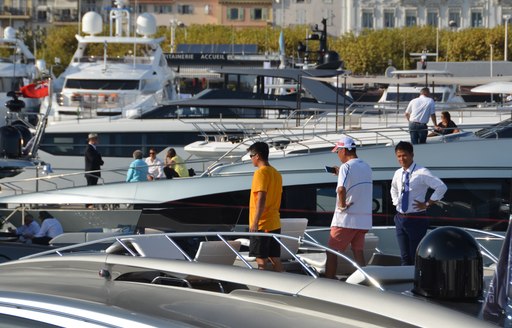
[10, 84]
[402, 96]
[102, 84]
[438, 96]
[120, 144]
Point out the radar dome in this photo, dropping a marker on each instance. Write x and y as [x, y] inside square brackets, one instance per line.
[146, 24]
[92, 23]
[9, 33]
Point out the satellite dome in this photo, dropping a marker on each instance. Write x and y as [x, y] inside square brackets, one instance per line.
[146, 24]
[449, 265]
[9, 33]
[92, 23]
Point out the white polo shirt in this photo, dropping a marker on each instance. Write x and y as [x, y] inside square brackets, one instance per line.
[356, 176]
[420, 109]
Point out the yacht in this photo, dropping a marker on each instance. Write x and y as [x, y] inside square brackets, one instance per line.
[18, 69]
[227, 114]
[399, 95]
[476, 170]
[204, 280]
[96, 84]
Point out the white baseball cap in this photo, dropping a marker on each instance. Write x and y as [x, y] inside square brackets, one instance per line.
[345, 142]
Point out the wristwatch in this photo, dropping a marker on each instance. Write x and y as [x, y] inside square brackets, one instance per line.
[342, 208]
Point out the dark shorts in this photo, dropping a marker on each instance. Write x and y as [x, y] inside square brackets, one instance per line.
[265, 247]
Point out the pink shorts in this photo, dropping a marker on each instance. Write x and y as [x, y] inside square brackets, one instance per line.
[340, 238]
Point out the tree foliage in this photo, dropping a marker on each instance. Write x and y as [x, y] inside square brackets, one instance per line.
[370, 52]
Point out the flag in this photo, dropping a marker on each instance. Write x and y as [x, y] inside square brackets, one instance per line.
[281, 43]
[35, 90]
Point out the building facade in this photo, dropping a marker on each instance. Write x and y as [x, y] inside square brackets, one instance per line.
[356, 15]
[342, 15]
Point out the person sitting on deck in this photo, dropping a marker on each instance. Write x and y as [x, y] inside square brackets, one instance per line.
[138, 170]
[50, 228]
[155, 166]
[27, 231]
[446, 126]
[174, 165]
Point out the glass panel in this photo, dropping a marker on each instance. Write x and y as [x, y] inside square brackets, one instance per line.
[102, 84]
[476, 19]
[432, 19]
[410, 18]
[389, 19]
[367, 20]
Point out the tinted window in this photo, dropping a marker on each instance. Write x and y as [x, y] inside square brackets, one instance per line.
[115, 144]
[102, 84]
[476, 203]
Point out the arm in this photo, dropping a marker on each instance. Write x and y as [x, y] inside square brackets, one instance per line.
[433, 118]
[437, 185]
[130, 173]
[342, 196]
[408, 111]
[159, 170]
[44, 229]
[394, 190]
[260, 207]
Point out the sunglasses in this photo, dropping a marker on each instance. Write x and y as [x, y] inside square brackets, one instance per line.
[252, 155]
[152, 153]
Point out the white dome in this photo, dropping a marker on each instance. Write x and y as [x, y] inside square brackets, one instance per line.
[9, 33]
[146, 24]
[92, 23]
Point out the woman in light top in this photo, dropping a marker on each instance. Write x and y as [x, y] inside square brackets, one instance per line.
[174, 165]
[138, 170]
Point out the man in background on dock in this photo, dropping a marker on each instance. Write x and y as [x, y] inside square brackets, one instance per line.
[93, 160]
[264, 204]
[353, 214]
[417, 113]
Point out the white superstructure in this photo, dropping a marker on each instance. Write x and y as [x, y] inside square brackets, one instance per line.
[98, 84]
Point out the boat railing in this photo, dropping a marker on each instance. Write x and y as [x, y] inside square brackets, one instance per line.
[168, 246]
[56, 181]
[481, 236]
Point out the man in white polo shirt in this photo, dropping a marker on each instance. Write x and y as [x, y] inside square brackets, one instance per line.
[353, 213]
[417, 113]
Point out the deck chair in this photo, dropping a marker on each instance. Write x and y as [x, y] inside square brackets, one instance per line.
[217, 252]
[317, 260]
[293, 228]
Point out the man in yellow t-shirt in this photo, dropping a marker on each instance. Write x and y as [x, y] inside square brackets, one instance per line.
[264, 204]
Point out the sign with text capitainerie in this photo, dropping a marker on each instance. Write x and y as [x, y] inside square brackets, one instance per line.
[206, 58]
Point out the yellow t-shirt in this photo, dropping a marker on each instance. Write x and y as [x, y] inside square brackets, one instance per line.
[267, 179]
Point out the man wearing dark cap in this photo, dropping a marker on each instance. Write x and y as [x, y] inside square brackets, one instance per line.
[353, 213]
[93, 161]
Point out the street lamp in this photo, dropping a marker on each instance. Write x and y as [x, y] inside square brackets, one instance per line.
[505, 55]
[452, 25]
[282, 11]
[174, 23]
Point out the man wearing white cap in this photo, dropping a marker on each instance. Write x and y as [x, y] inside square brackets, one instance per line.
[93, 160]
[353, 214]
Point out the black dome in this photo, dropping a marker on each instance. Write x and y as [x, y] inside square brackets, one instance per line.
[449, 265]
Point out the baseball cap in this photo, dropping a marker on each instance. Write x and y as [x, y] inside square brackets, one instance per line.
[345, 142]
[92, 136]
